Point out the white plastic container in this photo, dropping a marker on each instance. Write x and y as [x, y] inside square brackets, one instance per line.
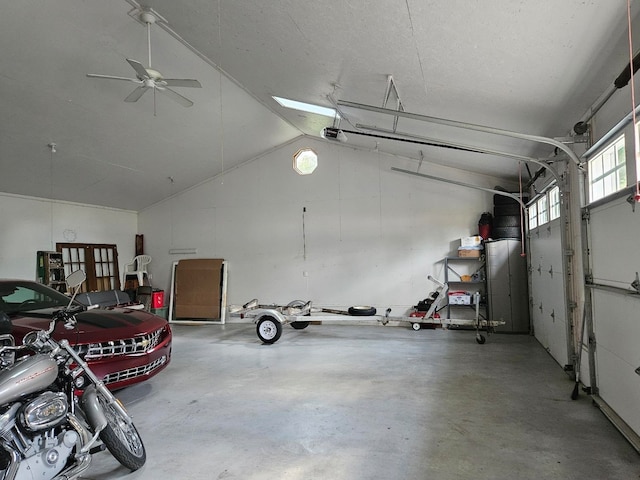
[459, 298]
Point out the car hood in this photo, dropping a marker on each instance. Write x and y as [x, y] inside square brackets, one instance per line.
[93, 325]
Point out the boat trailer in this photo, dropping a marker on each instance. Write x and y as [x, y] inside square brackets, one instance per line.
[270, 319]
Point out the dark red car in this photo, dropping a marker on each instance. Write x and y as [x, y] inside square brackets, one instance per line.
[123, 346]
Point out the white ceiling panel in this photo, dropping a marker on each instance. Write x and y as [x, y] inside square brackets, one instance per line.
[531, 67]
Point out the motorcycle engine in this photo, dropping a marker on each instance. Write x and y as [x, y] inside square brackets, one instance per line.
[46, 411]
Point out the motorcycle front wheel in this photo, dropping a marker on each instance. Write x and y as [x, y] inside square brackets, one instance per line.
[121, 437]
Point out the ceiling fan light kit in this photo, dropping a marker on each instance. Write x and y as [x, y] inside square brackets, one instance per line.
[150, 79]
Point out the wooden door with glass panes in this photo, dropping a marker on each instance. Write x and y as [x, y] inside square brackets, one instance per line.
[99, 261]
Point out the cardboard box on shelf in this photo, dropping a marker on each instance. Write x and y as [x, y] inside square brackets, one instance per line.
[469, 252]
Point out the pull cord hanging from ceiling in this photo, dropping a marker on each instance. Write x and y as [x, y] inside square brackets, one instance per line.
[633, 104]
[522, 251]
[220, 95]
[52, 149]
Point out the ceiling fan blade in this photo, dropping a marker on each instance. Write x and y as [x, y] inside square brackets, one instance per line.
[184, 101]
[136, 94]
[182, 82]
[111, 77]
[140, 70]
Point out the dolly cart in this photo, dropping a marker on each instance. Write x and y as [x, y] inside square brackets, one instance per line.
[441, 294]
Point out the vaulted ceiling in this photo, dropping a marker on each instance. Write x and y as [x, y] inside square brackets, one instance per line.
[527, 66]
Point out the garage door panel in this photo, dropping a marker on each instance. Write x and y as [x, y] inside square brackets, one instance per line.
[548, 248]
[620, 333]
[537, 295]
[614, 230]
[547, 284]
[555, 318]
[619, 386]
[539, 328]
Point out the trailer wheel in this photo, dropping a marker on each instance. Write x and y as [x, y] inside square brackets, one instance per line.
[480, 339]
[362, 311]
[269, 329]
[415, 326]
[299, 325]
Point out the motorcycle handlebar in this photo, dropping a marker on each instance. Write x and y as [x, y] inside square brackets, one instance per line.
[67, 313]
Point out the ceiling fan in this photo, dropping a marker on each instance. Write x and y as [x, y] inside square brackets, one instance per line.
[150, 79]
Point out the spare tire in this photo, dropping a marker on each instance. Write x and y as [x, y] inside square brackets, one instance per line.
[506, 221]
[506, 209]
[362, 311]
[506, 232]
[504, 200]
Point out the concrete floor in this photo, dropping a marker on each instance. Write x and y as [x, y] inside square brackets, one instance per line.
[336, 402]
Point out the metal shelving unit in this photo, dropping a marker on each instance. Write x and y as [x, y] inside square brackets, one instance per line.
[475, 269]
[50, 270]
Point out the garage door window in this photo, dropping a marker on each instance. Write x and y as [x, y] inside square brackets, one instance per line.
[533, 216]
[607, 171]
[554, 203]
[543, 213]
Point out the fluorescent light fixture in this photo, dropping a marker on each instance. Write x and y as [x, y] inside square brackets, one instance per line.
[182, 251]
[305, 107]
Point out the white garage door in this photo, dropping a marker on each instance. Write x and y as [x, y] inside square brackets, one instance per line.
[613, 232]
[548, 309]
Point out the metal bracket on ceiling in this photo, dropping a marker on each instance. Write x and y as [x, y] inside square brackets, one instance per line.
[137, 14]
[632, 200]
[462, 184]
[636, 283]
[573, 139]
[390, 91]
[466, 126]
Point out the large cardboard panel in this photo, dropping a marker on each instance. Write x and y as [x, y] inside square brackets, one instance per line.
[198, 288]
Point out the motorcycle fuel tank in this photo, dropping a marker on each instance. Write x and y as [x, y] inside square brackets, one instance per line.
[27, 376]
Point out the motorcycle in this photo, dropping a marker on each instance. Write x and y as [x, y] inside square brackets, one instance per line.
[55, 413]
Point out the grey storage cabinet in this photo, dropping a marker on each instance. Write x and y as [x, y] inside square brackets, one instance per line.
[507, 291]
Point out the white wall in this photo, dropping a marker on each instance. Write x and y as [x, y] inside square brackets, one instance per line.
[31, 224]
[371, 235]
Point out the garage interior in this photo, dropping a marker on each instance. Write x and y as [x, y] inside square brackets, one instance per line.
[434, 114]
